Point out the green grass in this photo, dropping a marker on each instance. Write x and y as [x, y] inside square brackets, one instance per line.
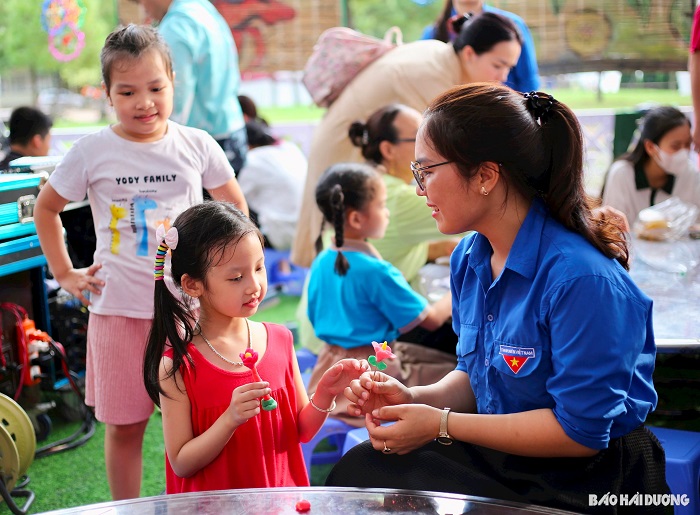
[77, 476]
[579, 99]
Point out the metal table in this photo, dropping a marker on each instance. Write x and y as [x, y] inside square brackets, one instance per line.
[323, 500]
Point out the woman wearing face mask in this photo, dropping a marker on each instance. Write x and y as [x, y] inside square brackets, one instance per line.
[658, 168]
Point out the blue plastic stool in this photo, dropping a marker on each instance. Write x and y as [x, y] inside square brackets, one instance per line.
[333, 429]
[682, 465]
[306, 359]
[354, 437]
[291, 283]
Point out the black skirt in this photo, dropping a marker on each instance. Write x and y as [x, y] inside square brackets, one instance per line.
[634, 463]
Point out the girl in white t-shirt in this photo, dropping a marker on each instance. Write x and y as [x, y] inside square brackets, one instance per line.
[138, 174]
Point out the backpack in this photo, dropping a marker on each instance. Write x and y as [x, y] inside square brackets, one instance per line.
[338, 56]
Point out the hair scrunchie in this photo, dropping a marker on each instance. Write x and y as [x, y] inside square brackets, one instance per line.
[540, 105]
[166, 239]
[456, 22]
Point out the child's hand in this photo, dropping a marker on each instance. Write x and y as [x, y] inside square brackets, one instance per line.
[336, 378]
[374, 390]
[80, 281]
[245, 402]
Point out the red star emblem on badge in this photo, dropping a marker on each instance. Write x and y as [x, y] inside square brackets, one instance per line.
[515, 363]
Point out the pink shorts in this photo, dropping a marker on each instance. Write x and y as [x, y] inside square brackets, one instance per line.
[114, 375]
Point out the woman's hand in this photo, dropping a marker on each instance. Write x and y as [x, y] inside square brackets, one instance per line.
[336, 378]
[245, 402]
[375, 390]
[414, 426]
[615, 216]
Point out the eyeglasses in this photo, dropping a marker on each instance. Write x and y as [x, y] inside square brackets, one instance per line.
[405, 140]
[418, 170]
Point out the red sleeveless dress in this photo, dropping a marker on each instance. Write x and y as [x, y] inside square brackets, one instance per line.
[263, 452]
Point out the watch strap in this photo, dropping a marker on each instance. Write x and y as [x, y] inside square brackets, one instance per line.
[443, 423]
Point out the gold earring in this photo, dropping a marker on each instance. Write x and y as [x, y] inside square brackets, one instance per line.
[483, 191]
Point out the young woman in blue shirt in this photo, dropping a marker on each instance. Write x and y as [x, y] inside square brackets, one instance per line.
[556, 348]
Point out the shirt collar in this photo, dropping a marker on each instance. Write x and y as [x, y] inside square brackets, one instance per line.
[641, 182]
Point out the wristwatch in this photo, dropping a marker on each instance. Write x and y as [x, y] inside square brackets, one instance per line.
[443, 436]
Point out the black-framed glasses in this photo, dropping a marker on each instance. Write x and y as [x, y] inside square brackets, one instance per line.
[418, 170]
[405, 140]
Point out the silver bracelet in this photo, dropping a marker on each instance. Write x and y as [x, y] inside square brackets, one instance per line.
[311, 400]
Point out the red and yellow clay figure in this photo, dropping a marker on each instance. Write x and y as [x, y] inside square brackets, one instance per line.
[250, 358]
[382, 351]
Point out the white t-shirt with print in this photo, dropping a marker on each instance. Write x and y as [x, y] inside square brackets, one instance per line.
[133, 188]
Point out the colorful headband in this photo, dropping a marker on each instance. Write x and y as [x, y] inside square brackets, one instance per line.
[539, 104]
[166, 239]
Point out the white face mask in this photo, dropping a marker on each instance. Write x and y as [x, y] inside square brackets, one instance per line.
[673, 163]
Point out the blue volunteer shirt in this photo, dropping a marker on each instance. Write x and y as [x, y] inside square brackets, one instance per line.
[372, 302]
[563, 327]
[524, 76]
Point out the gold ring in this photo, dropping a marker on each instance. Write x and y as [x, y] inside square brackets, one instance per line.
[386, 450]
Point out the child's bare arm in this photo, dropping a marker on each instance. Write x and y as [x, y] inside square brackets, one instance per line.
[333, 383]
[439, 313]
[231, 192]
[47, 219]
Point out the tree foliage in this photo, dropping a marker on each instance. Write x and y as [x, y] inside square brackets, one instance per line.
[375, 17]
[24, 43]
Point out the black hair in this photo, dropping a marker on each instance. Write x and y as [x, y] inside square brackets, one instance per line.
[653, 126]
[250, 110]
[537, 143]
[205, 231]
[126, 44]
[343, 186]
[26, 122]
[379, 127]
[258, 134]
[484, 31]
[443, 25]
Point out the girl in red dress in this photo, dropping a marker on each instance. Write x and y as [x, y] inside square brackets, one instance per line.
[234, 406]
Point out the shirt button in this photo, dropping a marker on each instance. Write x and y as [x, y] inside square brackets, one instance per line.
[487, 362]
[489, 317]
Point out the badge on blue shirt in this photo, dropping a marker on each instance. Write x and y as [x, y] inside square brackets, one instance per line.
[516, 357]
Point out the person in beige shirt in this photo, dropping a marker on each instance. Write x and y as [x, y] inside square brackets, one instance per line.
[487, 47]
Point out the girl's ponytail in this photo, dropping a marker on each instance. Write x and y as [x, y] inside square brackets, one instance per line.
[344, 187]
[172, 322]
[338, 206]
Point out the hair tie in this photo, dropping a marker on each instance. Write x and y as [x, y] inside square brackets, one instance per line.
[365, 137]
[166, 239]
[457, 21]
[539, 104]
[337, 197]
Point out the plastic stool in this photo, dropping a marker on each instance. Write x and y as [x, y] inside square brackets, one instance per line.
[306, 359]
[354, 437]
[682, 465]
[291, 283]
[333, 429]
